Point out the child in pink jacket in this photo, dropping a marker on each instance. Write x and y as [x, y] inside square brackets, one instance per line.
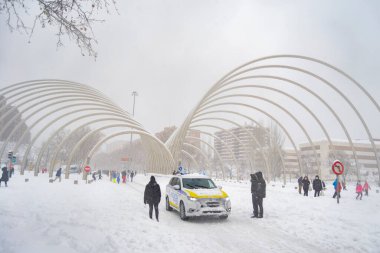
[366, 187]
[359, 190]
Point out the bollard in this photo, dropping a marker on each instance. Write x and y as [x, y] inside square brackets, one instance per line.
[51, 180]
[26, 180]
[283, 186]
[75, 181]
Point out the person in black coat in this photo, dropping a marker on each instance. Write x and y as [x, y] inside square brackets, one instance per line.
[317, 186]
[58, 174]
[300, 185]
[152, 196]
[258, 191]
[306, 184]
[4, 176]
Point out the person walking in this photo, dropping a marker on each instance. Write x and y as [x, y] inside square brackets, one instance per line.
[359, 190]
[258, 191]
[118, 178]
[100, 175]
[58, 175]
[366, 187]
[124, 176]
[337, 187]
[132, 175]
[317, 186]
[152, 196]
[300, 185]
[4, 176]
[93, 176]
[305, 185]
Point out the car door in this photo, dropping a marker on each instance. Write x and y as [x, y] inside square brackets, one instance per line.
[175, 193]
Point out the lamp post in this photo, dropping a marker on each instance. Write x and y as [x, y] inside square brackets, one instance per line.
[134, 94]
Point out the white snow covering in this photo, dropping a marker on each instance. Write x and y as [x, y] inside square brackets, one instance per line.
[38, 217]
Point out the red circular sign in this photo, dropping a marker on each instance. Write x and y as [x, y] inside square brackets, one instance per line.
[87, 168]
[338, 168]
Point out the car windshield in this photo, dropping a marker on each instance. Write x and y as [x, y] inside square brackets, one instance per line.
[198, 183]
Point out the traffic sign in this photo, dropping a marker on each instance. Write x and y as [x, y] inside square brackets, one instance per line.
[13, 159]
[180, 169]
[338, 168]
[87, 169]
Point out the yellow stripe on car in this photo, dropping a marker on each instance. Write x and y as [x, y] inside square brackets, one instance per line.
[194, 195]
[172, 204]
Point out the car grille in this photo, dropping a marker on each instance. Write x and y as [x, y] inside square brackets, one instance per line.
[212, 204]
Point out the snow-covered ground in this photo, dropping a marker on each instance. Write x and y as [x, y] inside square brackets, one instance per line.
[39, 217]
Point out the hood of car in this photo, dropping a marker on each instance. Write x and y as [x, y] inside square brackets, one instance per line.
[215, 193]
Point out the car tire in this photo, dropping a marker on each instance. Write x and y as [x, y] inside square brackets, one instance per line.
[168, 207]
[182, 211]
[223, 217]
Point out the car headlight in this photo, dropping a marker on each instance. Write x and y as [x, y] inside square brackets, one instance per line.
[227, 199]
[193, 199]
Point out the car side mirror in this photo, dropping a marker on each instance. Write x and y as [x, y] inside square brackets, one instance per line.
[176, 187]
[220, 187]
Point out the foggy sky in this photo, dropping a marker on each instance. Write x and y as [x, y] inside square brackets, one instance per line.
[171, 52]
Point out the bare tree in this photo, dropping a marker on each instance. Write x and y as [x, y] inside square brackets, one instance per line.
[71, 18]
[274, 144]
[64, 152]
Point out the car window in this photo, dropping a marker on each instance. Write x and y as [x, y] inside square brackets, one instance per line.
[171, 181]
[198, 183]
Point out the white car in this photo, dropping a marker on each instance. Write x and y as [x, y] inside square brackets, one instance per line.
[196, 195]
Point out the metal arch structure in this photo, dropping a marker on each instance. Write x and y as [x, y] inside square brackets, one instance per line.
[227, 84]
[41, 99]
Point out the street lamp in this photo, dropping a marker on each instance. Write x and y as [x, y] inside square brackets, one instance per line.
[134, 94]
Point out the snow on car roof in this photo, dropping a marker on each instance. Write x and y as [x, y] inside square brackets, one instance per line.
[194, 175]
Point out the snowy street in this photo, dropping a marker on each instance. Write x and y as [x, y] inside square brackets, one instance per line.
[105, 217]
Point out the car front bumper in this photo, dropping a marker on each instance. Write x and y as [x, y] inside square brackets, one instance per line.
[208, 207]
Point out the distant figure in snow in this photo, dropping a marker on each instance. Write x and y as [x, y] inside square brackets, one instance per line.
[305, 185]
[258, 191]
[317, 186]
[366, 187]
[359, 190]
[132, 175]
[100, 175]
[124, 176]
[93, 176]
[114, 176]
[152, 196]
[337, 187]
[4, 176]
[323, 188]
[58, 175]
[300, 185]
[118, 178]
[11, 172]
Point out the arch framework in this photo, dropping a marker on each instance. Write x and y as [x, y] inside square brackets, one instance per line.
[235, 97]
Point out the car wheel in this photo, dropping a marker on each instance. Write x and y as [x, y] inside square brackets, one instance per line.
[223, 217]
[168, 207]
[182, 211]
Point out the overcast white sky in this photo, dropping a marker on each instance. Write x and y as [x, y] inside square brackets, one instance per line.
[171, 52]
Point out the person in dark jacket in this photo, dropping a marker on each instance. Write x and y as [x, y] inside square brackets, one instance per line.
[4, 176]
[58, 174]
[258, 191]
[317, 186]
[300, 185]
[305, 184]
[152, 196]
